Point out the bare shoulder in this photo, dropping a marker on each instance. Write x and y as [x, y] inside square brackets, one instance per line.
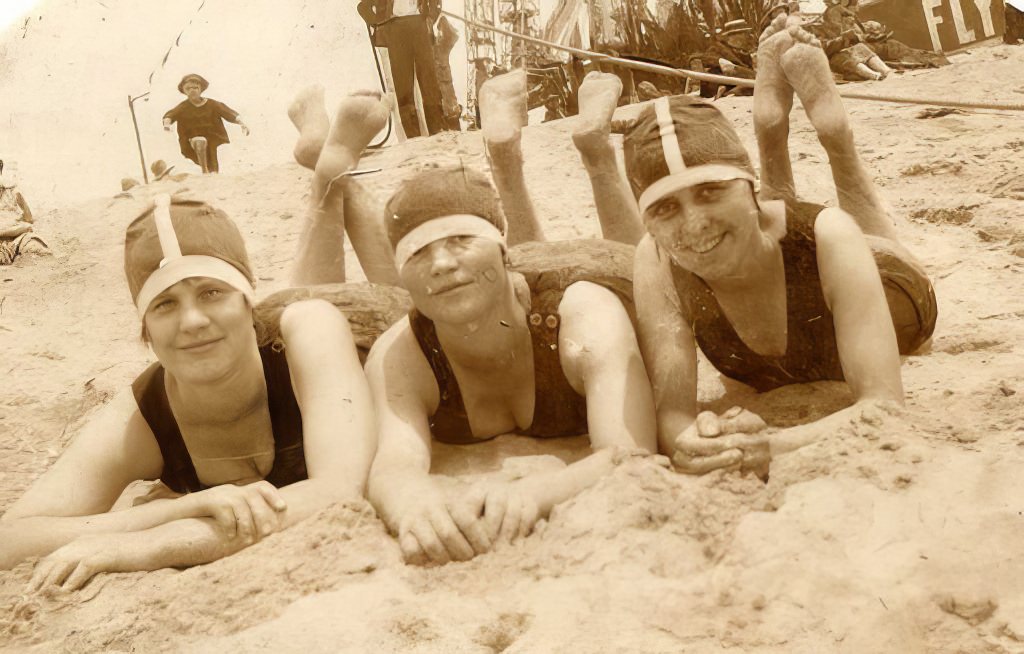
[397, 369]
[311, 314]
[833, 225]
[589, 303]
[647, 254]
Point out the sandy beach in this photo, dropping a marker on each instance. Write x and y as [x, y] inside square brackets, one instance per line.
[900, 532]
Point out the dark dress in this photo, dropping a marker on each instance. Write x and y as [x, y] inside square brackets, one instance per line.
[558, 409]
[811, 350]
[206, 120]
[179, 474]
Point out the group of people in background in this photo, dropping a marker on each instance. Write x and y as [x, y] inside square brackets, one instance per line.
[259, 413]
[418, 40]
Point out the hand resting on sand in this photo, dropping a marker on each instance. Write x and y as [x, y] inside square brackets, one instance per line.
[428, 532]
[507, 510]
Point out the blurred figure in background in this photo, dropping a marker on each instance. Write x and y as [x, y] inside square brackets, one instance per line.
[201, 123]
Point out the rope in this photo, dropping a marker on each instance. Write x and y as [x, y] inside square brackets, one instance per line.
[383, 89]
[725, 80]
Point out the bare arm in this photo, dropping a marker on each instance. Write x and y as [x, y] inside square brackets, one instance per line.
[853, 292]
[601, 360]
[864, 332]
[338, 440]
[666, 341]
[114, 449]
[181, 543]
[338, 426]
[26, 213]
[407, 499]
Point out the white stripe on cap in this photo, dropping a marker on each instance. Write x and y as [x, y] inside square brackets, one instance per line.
[669, 140]
[175, 267]
[443, 227]
[165, 229]
[680, 176]
[690, 177]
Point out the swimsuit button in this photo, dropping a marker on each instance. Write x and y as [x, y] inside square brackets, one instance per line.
[535, 319]
[554, 346]
[551, 322]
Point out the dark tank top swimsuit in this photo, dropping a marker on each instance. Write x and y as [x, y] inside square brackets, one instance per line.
[811, 350]
[179, 473]
[558, 410]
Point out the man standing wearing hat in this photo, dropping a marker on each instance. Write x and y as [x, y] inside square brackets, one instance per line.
[201, 123]
[405, 28]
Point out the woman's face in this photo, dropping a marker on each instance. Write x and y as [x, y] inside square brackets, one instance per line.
[708, 228]
[199, 329]
[456, 279]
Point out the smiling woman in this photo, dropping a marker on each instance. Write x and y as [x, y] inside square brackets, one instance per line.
[243, 424]
[773, 290]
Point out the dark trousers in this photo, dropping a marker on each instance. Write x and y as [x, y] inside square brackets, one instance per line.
[1014, 25]
[411, 51]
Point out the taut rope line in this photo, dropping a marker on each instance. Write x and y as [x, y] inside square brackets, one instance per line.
[723, 79]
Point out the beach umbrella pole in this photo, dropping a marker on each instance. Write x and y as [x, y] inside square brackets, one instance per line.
[138, 138]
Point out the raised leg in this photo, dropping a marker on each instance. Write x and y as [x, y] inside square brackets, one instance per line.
[502, 102]
[364, 223]
[321, 255]
[616, 207]
[795, 55]
[773, 101]
[308, 114]
[199, 147]
[807, 70]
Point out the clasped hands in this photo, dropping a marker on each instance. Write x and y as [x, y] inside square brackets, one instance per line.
[734, 440]
[440, 525]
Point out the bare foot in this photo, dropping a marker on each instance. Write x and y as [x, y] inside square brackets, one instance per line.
[598, 97]
[806, 68]
[308, 114]
[360, 116]
[503, 109]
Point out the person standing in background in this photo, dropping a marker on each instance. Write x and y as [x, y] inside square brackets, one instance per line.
[201, 123]
[405, 28]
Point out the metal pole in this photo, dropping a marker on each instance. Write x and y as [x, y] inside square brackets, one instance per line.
[138, 138]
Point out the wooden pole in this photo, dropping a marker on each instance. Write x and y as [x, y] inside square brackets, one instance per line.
[138, 138]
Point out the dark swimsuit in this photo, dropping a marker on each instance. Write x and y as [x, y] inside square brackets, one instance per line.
[558, 409]
[179, 474]
[811, 350]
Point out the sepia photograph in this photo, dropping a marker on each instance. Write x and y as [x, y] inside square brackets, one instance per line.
[512, 326]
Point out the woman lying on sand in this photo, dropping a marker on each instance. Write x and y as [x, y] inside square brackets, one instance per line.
[260, 419]
[773, 290]
[498, 344]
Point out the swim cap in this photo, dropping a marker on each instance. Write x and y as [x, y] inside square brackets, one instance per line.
[178, 239]
[442, 202]
[680, 142]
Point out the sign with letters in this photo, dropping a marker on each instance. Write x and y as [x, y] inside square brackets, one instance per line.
[939, 25]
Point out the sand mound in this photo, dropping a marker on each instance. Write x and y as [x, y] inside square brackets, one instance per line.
[897, 532]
